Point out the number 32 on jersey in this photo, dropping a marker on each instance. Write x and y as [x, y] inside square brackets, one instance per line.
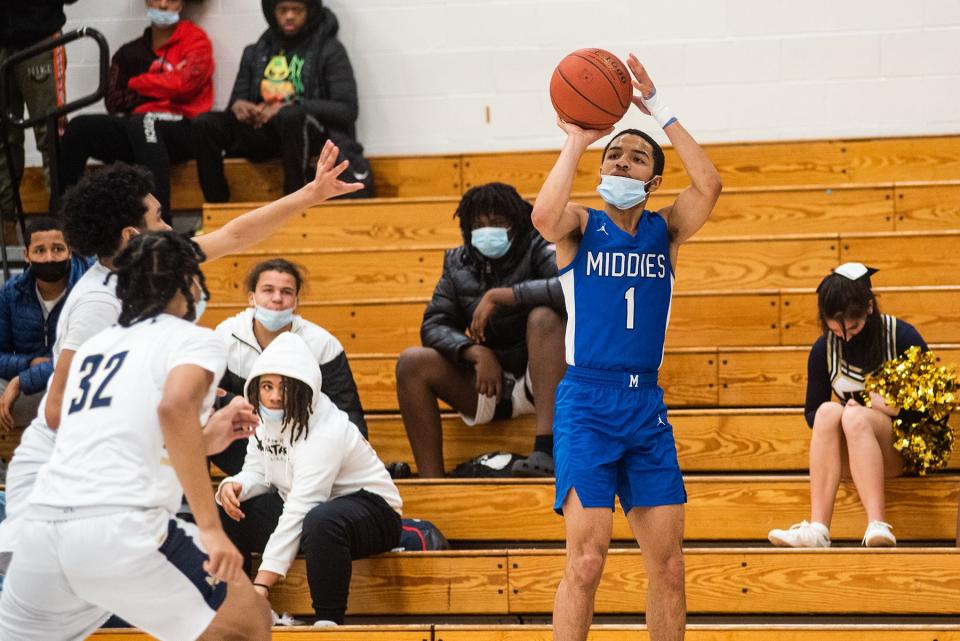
[90, 369]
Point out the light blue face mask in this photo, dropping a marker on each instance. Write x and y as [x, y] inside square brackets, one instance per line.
[622, 192]
[271, 415]
[492, 242]
[161, 18]
[199, 308]
[274, 319]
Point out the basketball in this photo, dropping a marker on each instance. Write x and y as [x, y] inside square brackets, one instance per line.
[591, 88]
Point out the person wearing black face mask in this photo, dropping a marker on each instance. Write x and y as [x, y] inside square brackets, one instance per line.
[30, 304]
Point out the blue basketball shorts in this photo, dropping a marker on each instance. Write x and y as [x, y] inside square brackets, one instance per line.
[612, 437]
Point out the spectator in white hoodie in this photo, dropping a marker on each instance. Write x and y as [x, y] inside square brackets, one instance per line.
[310, 482]
[273, 291]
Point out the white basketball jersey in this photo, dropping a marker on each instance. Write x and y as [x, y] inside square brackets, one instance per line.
[109, 450]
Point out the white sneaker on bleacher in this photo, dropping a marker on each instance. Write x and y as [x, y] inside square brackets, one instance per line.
[801, 535]
[878, 535]
[323, 623]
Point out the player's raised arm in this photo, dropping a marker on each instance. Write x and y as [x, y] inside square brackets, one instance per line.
[553, 215]
[257, 225]
[694, 204]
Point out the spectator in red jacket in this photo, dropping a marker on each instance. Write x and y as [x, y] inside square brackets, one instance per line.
[157, 84]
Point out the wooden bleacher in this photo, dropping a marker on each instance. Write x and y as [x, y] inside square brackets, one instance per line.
[608, 632]
[743, 318]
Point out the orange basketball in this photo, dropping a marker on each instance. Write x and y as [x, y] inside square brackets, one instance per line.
[591, 88]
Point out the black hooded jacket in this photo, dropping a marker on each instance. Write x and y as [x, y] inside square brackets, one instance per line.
[530, 268]
[26, 23]
[329, 87]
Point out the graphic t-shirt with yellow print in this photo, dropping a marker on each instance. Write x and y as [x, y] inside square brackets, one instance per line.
[282, 78]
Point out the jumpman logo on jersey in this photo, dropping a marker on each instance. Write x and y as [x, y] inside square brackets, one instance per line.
[660, 421]
[603, 228]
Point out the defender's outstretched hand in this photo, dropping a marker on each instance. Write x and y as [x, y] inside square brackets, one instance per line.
[327, 183]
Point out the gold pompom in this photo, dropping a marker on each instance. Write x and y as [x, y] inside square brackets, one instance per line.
[926, 395]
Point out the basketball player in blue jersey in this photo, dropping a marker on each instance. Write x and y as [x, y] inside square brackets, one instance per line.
[611, 430]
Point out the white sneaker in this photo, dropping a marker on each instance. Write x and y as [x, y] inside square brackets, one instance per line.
[323, 623]
[801, 535]
[878, 535]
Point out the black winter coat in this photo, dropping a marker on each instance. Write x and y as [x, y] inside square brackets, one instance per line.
[530, 268]
[26, 23]
[329, 87]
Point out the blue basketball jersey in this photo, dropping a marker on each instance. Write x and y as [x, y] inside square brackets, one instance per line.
[618, 291]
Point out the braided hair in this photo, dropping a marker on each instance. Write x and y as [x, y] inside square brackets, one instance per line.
[297, 405]
[152, 269]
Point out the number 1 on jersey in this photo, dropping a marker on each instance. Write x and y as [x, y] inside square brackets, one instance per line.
[628, 295]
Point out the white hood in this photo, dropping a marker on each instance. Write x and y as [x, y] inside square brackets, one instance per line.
[288, 355]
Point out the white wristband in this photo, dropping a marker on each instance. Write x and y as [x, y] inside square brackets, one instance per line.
[659, 110]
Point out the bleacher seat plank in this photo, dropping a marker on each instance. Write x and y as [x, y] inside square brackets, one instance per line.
[913, 158]
[688, 376]
[387, 327]
[713, 632]
[354, 224]
[749, 263]
[393, 176]
[928, 207]
[337, 276]
[473, 582]
[726, 318]
[906, 258]
[386, 222]
[736, 264]
[707, 440]
[834, 581]
[603, 632]
[934, 311]
[307, 633]
[777, 376]
[719, 508]
[905, 581]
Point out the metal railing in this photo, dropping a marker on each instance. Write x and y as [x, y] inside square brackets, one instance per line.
[9, 119]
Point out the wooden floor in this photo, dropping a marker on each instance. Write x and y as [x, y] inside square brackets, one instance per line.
[695, 632]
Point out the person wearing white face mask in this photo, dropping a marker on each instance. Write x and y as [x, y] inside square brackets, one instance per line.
[273, 289]
[492, 334]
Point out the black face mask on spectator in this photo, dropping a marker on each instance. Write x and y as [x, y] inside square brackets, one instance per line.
[51, 271]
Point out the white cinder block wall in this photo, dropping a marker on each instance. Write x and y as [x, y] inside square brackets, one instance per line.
[733, 70]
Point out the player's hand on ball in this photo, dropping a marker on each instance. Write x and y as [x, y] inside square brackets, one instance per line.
[327, 183]
[225, 563]
[588, 136]
[641, 82]
[230, 500]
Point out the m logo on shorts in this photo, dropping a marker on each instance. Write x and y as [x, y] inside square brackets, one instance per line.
[634, 380]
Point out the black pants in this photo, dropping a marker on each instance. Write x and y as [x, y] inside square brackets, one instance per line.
[291, 135]
[152, 140]
[334, 534]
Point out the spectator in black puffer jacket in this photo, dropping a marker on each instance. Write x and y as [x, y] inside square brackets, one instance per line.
[294, 90]
[493, 334]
